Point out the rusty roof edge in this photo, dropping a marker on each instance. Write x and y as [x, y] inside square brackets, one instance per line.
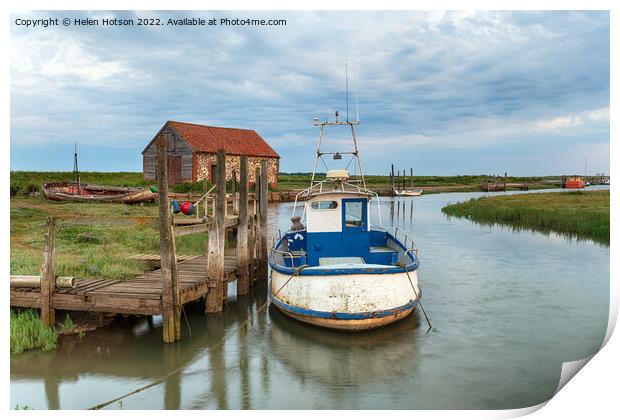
[210, 126]
[168, 123]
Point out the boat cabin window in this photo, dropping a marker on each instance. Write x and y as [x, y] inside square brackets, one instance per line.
[354, 213]
[324, 205]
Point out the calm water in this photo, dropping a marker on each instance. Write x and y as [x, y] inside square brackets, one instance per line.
[508, 308]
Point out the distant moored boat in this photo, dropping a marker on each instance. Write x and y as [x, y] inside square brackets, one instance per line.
[408, 193]
[574, 182]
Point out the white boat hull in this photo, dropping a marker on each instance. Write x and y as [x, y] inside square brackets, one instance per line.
[346, 302]
[409, 193]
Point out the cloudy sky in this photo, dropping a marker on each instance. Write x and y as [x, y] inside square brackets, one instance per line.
[444, 93]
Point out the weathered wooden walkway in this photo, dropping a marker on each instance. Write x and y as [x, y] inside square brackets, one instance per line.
[141, 295]
[165, 290]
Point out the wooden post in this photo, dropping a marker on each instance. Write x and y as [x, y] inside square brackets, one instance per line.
[213, 303]
[243, 281]
[262, 206]
[48, 279]
[252, 245]
[169, 290]
[235, 203]
[205, 201]
[392, 180]
[216, 241]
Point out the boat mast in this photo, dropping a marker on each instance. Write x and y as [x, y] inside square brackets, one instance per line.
[338, 155]
[76, 172]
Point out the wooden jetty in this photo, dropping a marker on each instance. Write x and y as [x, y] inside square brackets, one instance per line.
[496, 183]
[180, 279]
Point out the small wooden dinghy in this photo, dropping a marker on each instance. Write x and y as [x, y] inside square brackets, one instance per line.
[408, 193]
[71, 191]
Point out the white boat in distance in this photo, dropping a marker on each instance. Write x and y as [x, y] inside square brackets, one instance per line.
[408, 193]
[338, 271]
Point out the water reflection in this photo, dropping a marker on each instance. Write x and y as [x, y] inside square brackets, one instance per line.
[335, 359]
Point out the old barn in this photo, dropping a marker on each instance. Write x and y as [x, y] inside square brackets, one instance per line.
[192, 149]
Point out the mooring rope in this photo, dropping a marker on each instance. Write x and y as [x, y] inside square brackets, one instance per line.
[301, 267]
[428, 321]
[180, 369]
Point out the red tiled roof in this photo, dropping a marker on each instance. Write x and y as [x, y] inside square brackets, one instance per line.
[234, 141]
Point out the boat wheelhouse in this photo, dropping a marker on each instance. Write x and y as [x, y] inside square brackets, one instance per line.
[338, 270]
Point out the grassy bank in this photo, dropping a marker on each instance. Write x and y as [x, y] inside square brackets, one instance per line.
[95, 250]
[584, 214]
[27, 332]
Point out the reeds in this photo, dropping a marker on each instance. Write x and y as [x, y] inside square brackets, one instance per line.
[584, 214]
[28, 332]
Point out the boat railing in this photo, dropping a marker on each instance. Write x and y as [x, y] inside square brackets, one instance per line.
[407, 240]
[403, 237]
[287, 254]
[275, 252]
[277, 235]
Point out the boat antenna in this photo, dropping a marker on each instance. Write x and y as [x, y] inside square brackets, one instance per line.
[76, 172]
[346, 78]
[355, 78]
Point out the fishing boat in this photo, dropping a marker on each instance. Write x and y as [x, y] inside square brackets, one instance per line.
[574, 182]
[73, 191]
[333, 268]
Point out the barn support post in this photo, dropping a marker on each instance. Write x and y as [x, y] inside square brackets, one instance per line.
[243, 282]
[262, 205]
[47, 273]
[170, 290]
[216, 249]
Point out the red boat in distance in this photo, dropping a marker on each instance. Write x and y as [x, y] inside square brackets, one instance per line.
[574, 182]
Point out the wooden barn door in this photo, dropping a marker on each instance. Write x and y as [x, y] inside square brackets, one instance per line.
[174, 170]
[212, 173]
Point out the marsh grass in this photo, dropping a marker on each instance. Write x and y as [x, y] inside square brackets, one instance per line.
[584, 214]
[93, 250]
[27, 332]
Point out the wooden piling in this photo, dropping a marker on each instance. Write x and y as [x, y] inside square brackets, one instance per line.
[47, 273]
[243, 280]
[252, 245]
[216, 241]
[205, 189]
[170, 291]
[262, 210]
[233, 190]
